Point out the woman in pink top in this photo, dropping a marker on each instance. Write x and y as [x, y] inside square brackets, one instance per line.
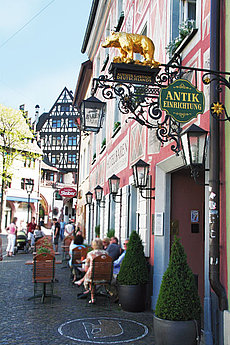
[11, 230]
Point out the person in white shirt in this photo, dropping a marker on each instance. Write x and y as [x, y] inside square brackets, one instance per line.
[69, 229]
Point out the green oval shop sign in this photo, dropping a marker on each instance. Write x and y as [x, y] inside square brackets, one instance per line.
[182, 100]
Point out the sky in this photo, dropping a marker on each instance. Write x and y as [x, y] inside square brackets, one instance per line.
[40, 50]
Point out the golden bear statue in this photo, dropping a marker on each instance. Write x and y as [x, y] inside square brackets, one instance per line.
[129, 44]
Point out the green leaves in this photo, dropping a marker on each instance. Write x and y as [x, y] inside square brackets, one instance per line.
[178, 297]
[134, 266]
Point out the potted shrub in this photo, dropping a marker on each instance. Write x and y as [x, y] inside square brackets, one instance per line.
[97, 230]
[178, 308]
[110, 233]
[133, 276]
[43, 250]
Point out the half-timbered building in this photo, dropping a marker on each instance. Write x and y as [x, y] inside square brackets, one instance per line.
[59, 138]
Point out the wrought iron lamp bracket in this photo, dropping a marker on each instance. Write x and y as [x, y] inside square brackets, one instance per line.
[140, 101]
[147, 196]
[114, 198]
[101, 204]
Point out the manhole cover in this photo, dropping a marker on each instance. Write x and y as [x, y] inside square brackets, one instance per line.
[103, 330]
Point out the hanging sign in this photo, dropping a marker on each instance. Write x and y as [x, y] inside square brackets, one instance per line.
[68, 192]
[182, 100]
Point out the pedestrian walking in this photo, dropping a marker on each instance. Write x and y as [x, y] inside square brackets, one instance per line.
[62, 229]
[56, 233]
[11, 230]
[30, 231]
[69, 229]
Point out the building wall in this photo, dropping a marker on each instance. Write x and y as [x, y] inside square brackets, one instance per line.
[227, 139]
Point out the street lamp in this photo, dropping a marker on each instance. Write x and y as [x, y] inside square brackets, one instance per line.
[193, 141]
[140, 175]
[89, 200]
[98, 194]
[114, 182]
[29, 188]
[92, 113]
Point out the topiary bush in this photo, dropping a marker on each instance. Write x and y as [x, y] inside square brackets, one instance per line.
[97, 230]
[134, 269]
[178, 298]
[110, 233]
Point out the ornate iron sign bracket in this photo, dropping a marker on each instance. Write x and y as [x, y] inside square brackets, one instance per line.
[138, 90]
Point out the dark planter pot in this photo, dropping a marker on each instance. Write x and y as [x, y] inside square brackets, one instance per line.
[168, 332]
[132, 297]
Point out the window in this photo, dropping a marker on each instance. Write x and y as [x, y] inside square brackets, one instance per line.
[57, 196]
[182, 12]
[187, 10]
[53, 159]
[64, 107]
[71, 158]
[60, 178]
[56, 141]
[56, 123]
[143, 32]
[29, 162]
[49, 176]
[24, 181]
[59, 141]
[72, 123]
[72, 141]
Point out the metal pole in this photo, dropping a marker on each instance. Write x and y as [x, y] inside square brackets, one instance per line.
[214, 184]
[89, 224]
[109, 212]
[28, 208]
[120, 217]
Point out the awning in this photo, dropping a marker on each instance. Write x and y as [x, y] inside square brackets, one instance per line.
[18, 198]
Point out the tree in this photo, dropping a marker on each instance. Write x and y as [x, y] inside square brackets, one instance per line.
[15, 142]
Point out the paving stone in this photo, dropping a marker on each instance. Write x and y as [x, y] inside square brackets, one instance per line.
[26, 322]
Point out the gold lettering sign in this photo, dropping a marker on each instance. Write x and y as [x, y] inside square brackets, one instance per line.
[182, 100]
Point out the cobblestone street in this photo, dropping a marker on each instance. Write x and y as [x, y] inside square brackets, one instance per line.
[67, 321]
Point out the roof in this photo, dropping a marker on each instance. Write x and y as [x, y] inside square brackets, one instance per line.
[90, 24]
[46, 166]
[83, 81]
[41, 120]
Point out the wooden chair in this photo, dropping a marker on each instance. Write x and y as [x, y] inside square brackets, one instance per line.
[43, 273]
[102, 273]
[78, 255]
[65, 248]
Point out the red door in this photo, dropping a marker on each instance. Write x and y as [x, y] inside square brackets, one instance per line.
[187, 221]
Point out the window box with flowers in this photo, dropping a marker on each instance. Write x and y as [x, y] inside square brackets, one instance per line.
[103, 145]
[94, 158]
[116, 128]
[186, 32]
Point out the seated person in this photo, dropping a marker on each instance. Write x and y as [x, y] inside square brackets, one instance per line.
[97, 246]
[105, 243]
[113, 291]
[117, 263]
[114, 249]
[76, 242]
[38, 233]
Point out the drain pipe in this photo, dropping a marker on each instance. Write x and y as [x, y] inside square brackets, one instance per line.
[214, 184]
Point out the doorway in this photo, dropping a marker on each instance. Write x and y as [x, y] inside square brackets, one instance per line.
[187, 221]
